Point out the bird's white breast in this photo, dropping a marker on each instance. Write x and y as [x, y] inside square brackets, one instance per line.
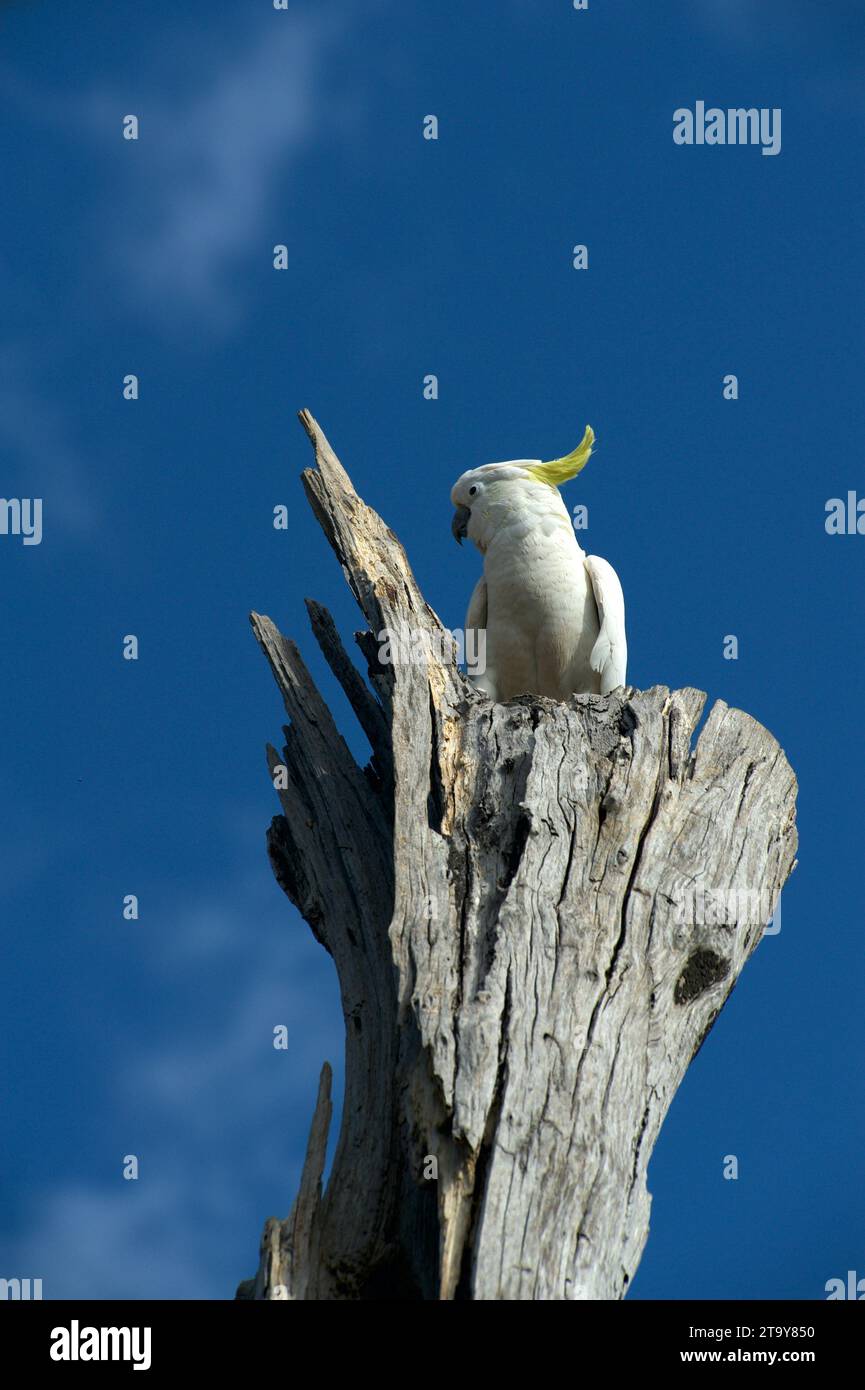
[542, 620]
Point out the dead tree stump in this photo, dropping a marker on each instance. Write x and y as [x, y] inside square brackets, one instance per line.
[536, 912]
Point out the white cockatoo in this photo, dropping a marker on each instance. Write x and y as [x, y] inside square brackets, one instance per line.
[554, 617]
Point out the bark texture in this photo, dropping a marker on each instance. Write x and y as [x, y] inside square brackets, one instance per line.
[536, 912]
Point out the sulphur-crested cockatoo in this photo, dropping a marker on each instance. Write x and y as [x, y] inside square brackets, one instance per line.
[554, 617]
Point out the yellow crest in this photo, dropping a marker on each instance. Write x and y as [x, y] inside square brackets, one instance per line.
[561, 470]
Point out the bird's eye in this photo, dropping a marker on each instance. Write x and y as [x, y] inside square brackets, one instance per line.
[472, 490]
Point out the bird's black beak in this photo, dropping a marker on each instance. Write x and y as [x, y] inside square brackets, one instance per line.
[459, 525]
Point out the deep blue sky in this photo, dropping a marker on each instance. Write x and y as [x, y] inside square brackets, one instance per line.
[406, 257]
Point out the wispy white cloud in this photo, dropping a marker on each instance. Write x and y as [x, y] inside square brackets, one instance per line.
[132, 1243]
[40, 459]
[226, 1060]
[215, 1114]
[214, 180]
[201, 187]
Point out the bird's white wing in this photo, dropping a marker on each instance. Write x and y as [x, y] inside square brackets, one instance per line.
[482, 677]
[610, 653]
[476, 617]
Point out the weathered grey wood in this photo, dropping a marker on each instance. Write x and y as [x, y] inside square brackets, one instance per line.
[529, 907]
[288, 1248]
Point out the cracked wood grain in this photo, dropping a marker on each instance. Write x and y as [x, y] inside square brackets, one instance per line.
[536, 911]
